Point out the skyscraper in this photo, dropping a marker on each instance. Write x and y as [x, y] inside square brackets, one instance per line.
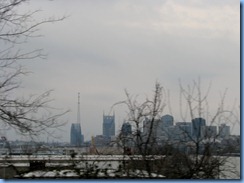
[185, 129]
[76, 137]
[126, 129]
[167, 121]
[209, 131]
[197, 123]
[224, 131]
[108, 126]
[126, 137]
[151, 127]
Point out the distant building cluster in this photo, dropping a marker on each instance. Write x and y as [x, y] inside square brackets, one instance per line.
[155, 131]
[161, 129]
[164, 129]
[179, 135]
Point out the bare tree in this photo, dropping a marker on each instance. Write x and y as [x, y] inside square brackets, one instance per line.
[142, 116]
[207, 151]
[32, 115]
[187, 149]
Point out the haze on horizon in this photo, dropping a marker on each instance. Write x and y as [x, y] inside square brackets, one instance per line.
[104, 47]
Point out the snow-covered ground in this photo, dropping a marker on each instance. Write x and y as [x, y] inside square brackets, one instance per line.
[100, 174]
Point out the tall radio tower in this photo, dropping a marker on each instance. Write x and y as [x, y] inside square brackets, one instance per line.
[78, 112]
[76, 136]
[78, 119]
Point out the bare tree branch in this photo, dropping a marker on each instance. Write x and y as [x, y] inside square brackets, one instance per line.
[33, 115]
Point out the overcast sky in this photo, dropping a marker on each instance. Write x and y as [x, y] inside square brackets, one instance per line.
[106, 46]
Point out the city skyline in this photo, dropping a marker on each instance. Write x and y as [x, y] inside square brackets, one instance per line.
[197, 128]
[104, 47]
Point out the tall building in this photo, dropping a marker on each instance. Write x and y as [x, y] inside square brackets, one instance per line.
[126, 137]
[158, 129]
[150, 127]
[209, 131]
[126, 129]
[76, 137]
[108, 126]
[224, 131]
[186, 130]
[197, 123]
[174, 133]
[167, 120]
[165, 123]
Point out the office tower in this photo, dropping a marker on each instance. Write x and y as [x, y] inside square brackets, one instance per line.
[158, 128]
[108, 126]
[174, 133]
[167, 120]
[154, 131]
[164, 124]
[126, 129]
[76, 137]
[208, 131]
[185, 129]
[197, 123]
[151, 127]
[126, 137]
[224, 131]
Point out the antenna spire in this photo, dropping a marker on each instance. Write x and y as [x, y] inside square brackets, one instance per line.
[78, 112]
